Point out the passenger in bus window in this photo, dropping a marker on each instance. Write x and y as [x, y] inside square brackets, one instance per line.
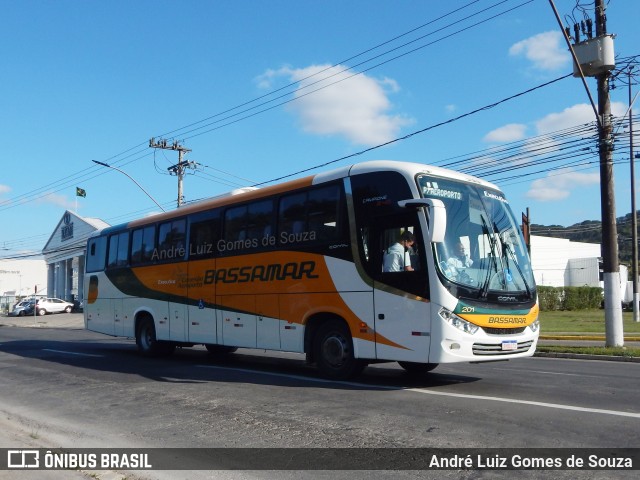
[397, 257]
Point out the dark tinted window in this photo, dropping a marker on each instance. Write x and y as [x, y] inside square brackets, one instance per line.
[203, 235]
[118, 250]
[313, 216]
[247, 227]
[172, 240]
[142, 245]
[96, 254]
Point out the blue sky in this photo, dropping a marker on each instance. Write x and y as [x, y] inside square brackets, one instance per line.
[91, 80]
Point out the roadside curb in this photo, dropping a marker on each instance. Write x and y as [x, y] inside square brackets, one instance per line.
[584, 337]
[583, 356]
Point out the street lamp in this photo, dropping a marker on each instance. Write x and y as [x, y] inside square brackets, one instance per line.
[132, 179]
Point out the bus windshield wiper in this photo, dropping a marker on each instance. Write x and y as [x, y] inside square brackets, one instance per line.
[492, 259]
[506, 246]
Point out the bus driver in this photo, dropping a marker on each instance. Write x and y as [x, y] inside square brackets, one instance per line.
[396, 258]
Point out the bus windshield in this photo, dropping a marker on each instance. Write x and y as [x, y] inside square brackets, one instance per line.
[483, 251]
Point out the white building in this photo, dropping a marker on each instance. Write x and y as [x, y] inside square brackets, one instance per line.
[64, 254]
[20, 278]
[559, 262]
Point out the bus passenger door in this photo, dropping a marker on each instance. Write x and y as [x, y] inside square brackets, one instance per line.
[238, 320]
[402, 309]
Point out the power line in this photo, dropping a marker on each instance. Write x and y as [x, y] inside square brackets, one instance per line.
[93, 172]
[417, 132]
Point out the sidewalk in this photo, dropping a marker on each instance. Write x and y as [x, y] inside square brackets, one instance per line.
[55, 320]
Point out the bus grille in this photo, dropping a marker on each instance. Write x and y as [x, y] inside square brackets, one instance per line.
[496, 348]
[503, 331]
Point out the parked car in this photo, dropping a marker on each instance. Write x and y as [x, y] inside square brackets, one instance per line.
[22, 308]
[53, 305]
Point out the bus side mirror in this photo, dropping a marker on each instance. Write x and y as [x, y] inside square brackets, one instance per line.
[436, 215]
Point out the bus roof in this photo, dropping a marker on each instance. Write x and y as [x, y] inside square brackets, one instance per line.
[408, 169]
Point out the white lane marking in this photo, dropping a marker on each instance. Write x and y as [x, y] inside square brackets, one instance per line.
[548, 373]
[433, 392]
[528, 402]
[72, 353]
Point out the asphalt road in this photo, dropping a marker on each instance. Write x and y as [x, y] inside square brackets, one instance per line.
[69, 387]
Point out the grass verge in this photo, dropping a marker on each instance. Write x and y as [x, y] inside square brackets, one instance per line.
[583, 322]
[610, 351]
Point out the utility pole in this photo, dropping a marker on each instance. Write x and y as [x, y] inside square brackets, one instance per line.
[634, 216]
[612, 300]
[179, 168]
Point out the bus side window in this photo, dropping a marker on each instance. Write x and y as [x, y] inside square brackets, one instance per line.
[400, 254]
[317, 214]
[259, 220]
[247, 225]
[171, 238]
[292, 218]
[395, 256]
[323, 212]
[142, 244]
[97, 254]
[118, 250]
[202, 238]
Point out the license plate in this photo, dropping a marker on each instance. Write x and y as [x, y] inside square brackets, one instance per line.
[509, 345]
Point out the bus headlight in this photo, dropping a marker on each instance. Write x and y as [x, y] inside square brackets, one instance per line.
[456, 321]
[535, 326]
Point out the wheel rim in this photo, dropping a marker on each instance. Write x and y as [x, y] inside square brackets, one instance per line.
[147, 337]
[335, 350]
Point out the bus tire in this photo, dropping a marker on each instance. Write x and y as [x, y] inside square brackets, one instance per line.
[146, 341]
[415, 368]
[214, 349]
[333, 351]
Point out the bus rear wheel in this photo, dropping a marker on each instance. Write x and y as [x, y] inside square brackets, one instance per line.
[146, 340]
[416, 368]
[333, 352]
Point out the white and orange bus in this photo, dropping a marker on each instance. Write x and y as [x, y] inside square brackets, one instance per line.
[300, 267]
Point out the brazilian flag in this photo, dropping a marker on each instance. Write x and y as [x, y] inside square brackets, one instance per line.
[80, 192]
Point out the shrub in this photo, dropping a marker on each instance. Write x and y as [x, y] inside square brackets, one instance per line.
[569, 298]
[550, 298]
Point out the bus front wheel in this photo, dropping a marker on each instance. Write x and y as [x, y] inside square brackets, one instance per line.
[333, 351]
[146, 340]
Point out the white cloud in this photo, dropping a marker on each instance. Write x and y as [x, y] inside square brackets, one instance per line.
[573, 116]
[546, 50]
[569, 117]
[508, 133]
[558, 185]
[356, 108]
[450, 108]
[4, 189]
